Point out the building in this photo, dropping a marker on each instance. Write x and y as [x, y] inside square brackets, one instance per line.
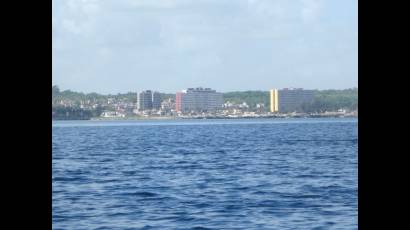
[145, 100]
[289, 100]
[274, 106]
[198, 100]
[168, 105]
[156, 101]
[178, 101]
[112, 114]
[148, 100]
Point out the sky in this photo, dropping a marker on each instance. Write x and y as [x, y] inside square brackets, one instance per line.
[119, 46]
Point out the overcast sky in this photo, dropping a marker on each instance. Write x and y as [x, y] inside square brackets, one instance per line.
[112, 46]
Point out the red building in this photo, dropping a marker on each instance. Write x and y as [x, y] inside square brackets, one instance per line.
[178, 101]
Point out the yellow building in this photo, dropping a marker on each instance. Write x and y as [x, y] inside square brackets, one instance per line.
[274, 105]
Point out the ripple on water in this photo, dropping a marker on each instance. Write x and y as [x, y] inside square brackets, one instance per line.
[239, 175]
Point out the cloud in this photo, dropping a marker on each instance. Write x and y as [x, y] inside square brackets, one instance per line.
[311, 10]
[143, 42]
[71, 26]
[154, 3]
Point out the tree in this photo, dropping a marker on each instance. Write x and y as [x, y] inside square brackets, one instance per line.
[55, 90]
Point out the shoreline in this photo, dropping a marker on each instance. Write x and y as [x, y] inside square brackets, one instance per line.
[203, 118]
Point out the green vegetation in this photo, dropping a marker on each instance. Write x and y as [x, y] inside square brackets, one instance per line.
[71, 113]
[95, 98]
[250, 97]
[332, 100]
[68, 104]
[165, 96]
[324, 100]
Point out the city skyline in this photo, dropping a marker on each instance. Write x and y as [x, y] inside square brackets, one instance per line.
[180, 90]
[205, 103]
[112, 47]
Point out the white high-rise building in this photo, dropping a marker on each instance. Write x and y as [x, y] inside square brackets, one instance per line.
[198, 100]
[148, 100]
[156, 101]
[145, 100]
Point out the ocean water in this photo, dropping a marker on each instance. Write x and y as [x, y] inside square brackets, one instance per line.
[205, 174]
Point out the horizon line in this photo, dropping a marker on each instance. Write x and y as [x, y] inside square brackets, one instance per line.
[248, 90]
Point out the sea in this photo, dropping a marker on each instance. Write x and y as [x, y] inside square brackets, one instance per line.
[205, 174]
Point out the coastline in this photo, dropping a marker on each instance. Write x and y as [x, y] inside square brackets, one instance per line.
[131, 118]
[208, 117]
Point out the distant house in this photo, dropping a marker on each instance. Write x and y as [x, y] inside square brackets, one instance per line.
[112, 114]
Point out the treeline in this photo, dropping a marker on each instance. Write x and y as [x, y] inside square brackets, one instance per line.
[250, 97]
[96, 98]
[332, 100]
[77, 97]
[324, 100]
[74, 113]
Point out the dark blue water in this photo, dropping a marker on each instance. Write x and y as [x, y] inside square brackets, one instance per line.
[222, 174]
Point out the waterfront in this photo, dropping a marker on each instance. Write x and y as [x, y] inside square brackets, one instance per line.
[214, 174]
[249, 115]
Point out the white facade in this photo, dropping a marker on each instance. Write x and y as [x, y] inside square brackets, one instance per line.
[200, 100]
[156, 100]
[111, 114]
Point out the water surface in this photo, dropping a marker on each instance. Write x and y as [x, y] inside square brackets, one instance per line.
[205, 174]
